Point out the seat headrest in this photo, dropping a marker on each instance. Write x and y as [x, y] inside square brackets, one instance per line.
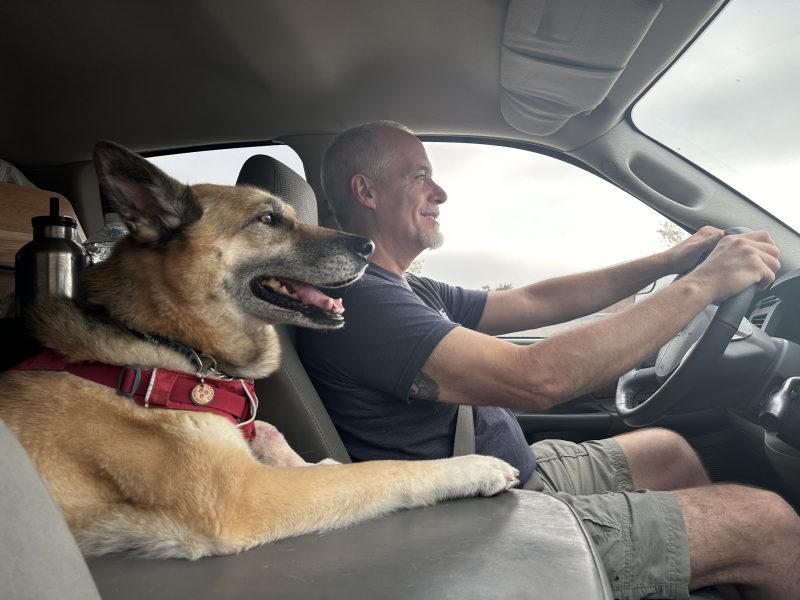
[273, 176]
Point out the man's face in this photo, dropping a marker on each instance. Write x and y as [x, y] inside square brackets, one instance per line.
[408, 198]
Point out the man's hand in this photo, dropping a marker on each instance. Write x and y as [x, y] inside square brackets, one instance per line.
[687, 254]
[737, 262]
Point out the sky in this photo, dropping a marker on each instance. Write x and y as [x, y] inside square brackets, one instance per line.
[730, 104]
[514, 217]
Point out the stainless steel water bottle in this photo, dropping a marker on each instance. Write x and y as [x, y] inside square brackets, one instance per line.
[51, 263]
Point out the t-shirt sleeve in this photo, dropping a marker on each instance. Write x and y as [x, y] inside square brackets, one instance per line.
[464, 305]
[388, 336]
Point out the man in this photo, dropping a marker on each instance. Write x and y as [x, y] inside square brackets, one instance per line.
[414, 349]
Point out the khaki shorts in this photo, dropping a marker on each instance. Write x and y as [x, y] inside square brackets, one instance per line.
[639, 534]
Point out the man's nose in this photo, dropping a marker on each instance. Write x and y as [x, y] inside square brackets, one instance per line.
[439, 195]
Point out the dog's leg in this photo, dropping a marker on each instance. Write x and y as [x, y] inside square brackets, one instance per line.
[249, 503]
[271, 448]
[264, 504]
[212, 496]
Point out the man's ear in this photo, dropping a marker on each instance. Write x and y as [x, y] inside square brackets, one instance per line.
[363, 190]
[153, 205]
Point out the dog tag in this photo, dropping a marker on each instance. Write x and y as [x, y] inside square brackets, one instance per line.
[202, 394]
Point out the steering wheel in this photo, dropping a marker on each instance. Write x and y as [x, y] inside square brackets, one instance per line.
[683, 360]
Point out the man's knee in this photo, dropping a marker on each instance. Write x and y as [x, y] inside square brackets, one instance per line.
[667, 440]
[661, 459]
[742, 535]
[773, 517]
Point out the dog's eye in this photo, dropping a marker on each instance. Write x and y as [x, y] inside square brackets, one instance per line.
[267, 218]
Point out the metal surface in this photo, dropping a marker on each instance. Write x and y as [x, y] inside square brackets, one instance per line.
[51, 263]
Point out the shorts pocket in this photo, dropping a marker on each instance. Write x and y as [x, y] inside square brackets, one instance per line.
[608, 526]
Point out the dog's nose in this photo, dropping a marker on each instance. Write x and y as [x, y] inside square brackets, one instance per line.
[363, 247]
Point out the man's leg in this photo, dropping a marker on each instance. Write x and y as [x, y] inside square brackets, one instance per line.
[639, 536]
[652, 459]
[742, 535]
[737, 534]
[660, 459]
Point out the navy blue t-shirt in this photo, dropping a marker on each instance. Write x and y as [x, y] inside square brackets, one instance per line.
[364, 372]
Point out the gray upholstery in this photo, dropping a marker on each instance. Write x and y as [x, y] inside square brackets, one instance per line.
[515, 545]
[275, 177]
[39, 558]
[288, 399]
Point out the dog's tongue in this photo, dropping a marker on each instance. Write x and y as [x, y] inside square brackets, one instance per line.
[310, 295]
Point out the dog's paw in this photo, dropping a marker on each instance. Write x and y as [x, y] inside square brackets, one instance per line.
[488, 475]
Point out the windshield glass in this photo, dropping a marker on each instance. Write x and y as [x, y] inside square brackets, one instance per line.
[730, 103]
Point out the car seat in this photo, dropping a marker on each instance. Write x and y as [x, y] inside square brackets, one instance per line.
[287, 398]
[40, 558]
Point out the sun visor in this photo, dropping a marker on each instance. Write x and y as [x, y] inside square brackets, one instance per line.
[560, 58]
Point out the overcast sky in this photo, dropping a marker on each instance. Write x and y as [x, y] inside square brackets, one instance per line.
[517, 217]
[731, 103]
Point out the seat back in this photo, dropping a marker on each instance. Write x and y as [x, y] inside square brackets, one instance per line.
[38, 557]
[288, 399]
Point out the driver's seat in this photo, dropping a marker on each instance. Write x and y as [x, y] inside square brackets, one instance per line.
[288, 398]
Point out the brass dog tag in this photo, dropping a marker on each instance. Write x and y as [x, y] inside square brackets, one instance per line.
[202, 394]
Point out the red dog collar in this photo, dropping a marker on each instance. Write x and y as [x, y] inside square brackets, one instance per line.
[234, 399]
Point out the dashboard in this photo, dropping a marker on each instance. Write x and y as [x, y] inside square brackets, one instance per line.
[773, 409]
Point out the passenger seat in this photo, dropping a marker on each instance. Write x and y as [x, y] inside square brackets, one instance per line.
[287, 398]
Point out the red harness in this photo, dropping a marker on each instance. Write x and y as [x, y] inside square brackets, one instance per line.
[234, 399]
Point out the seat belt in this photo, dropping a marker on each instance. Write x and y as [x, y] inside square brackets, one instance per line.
[464, 442]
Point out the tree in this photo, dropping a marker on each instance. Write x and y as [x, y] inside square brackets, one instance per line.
[670, 233]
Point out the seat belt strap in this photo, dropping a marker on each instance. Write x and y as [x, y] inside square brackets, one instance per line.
[464, 442]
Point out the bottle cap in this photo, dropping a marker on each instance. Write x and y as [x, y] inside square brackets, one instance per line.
[53, 218]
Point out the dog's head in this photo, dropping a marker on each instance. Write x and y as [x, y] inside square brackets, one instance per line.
[207, 257]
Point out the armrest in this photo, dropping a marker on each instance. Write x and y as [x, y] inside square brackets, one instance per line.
[517, 544]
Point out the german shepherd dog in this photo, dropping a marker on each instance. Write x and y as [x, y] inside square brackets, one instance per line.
[187, 302]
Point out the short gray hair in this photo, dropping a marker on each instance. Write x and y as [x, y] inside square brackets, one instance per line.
[355, 151]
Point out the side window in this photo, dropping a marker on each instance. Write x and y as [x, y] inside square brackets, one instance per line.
[222, 166]
[514, 217]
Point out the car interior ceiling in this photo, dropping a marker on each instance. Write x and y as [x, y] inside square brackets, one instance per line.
[303, 101]
[301, 94]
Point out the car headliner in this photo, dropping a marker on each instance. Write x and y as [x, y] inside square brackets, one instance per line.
[161, 75]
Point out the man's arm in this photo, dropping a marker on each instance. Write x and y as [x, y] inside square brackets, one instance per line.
[472, 368]
[565, 298]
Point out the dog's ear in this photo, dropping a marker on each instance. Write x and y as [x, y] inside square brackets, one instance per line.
[153, 205]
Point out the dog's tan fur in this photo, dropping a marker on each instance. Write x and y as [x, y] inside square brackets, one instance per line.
[179, 483]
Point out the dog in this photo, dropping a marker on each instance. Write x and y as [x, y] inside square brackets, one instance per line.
[185, 305]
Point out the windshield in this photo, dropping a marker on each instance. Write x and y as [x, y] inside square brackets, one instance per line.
[730, 103]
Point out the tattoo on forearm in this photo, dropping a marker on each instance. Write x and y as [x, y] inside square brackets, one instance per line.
[424, 387]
